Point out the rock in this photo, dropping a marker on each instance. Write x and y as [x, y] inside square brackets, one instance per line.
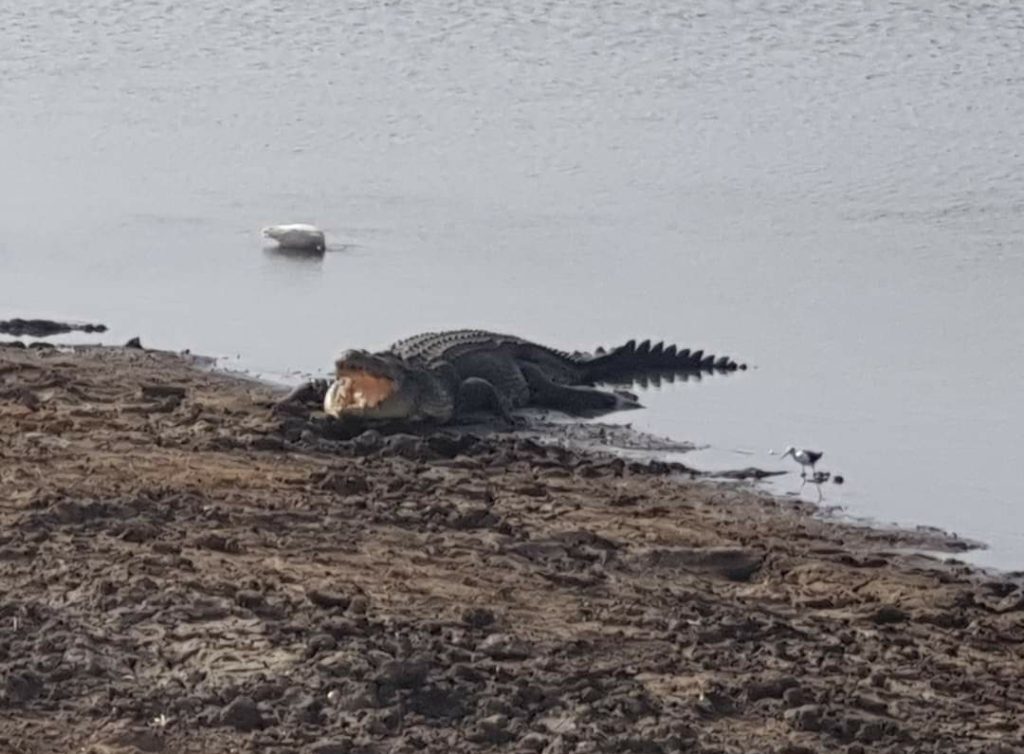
[532, 742]
[21, 687]
[732, 563]
[345, 484]
[493, 730]
[772, 688]
[504, 647]
[749, 472]
[796, 749]
[406, 446]
[249, 599]
[478, 617]
[152, 392]
[218, 543]
[404, 674]
[328, 599]
[140, 739]
[242, 714]
[808, 717]
[338, 746]
[135, 342]
[888, 614]
[322, 642]
[437, 702]
[342, 627]
[797, 696]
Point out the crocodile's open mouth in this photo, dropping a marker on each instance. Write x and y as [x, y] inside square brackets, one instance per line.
[357, 390]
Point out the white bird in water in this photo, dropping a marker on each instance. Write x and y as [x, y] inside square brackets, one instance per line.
[297, 236]
[804, 457]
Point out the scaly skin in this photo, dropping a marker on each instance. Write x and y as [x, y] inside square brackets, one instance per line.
[442, 376]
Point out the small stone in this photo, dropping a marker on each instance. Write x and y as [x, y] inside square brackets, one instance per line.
[140, 739]
[796, 749]
[342, 627]
[797, 696]
[328, 599]
[405, 674]
[888, 614]
[478, 617]
[250, 599]
[242, 714]
[532, 742]
[504, 647]
[494, 730]
[358, 605]
[22, 687]
[807, 717]
[338, 746]
[320, 643]
[772, 688]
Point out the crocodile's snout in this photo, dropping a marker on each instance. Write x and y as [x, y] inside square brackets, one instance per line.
[356, 390]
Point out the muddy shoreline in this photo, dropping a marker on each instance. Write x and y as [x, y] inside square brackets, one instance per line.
[184, 570]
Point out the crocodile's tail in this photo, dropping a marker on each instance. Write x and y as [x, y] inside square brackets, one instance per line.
[632, 359]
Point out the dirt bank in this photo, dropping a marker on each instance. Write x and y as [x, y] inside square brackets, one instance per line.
[182, 570]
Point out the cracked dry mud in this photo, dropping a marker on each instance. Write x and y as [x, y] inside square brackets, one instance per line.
[182, 570]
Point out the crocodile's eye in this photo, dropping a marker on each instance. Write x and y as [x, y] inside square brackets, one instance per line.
[356, 389]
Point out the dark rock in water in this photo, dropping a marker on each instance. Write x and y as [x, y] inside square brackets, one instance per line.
[838, 479]
[43, 328]
[134, 343]
[748, 473]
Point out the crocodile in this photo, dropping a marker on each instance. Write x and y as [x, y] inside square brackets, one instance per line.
[442, 377]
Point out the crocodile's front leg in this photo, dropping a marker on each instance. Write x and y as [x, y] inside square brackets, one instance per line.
[307, 394]
[477, 394]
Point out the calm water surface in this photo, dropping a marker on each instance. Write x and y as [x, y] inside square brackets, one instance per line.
[833, 193]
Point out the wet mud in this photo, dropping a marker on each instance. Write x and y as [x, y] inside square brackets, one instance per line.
[183, 569]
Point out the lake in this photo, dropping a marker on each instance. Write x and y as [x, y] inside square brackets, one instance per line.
[831, 193]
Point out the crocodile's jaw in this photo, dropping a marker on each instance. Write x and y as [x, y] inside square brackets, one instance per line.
[365, 395]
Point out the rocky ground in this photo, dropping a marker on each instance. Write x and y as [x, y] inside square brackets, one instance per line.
[184, 570]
